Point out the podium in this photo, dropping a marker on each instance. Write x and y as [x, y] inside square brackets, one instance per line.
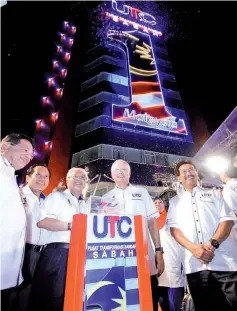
[108, 265]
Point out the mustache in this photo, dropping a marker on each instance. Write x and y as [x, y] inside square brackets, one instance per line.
[190, 176]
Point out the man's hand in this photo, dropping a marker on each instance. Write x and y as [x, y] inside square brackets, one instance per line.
[160, 263]
[209, 247]
[202, 253]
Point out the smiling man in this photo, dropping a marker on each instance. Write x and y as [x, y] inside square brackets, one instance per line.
[201, 222]
[56, 220]
[16, 153]
[132, 200]
[37, 180]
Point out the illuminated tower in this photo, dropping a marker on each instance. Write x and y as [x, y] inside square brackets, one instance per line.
[128, 103]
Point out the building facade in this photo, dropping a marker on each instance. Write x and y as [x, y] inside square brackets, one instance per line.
[128, 106]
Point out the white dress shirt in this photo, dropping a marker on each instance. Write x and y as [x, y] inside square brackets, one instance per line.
[135, 201]
[230, 194]
[33, 206]
[172, 276]
[197, 215]
[61, 206]
[12, 225]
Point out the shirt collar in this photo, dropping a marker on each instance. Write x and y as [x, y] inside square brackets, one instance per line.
[26, 190]
[7, 163]
[128, 186]
[68, 192]
[195, 189]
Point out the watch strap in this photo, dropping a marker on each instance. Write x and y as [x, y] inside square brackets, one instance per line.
[214, 243]
[159, 249]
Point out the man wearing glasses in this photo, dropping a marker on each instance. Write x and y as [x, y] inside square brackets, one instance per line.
[200, 221]
[59, 208]
[137, 201]
[16, 153]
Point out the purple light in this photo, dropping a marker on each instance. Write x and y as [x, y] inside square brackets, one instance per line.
[67, 56]
[73, 30]
[59, 92]
[59, 49]
[51, 82]
[55, 64]
[65, 25]
[71, 41]
[63, 73]
[62, 37]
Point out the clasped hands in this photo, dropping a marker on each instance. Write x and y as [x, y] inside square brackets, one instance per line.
[203, 252]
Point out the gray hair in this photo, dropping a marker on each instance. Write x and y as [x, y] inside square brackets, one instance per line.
[71, 171]
[119, 161]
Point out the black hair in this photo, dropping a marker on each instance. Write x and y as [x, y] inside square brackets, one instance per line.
[31, 169]
[180, 163]
[14, 139]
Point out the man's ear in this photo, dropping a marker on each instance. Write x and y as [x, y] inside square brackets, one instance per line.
[27, 178]
[4, 146]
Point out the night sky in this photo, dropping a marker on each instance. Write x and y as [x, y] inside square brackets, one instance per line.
[202, 48]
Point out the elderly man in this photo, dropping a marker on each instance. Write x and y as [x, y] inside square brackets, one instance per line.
[37, 180]
[50, 275]
[16, 153]
[201, 222]
[136, 201]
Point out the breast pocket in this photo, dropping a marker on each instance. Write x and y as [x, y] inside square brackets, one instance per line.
[136, 206]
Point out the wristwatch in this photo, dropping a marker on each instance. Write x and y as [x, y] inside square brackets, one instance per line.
[214, 243]
[159, 249]
[69, 226]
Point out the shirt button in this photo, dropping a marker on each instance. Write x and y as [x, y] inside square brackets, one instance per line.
[200, 242]
[195, 211]
[197, 220]
[198, 231]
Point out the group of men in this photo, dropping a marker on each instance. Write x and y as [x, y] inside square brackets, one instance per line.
[191, 237]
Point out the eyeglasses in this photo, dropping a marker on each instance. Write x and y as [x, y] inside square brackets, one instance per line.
[188, 170]
[78, 177]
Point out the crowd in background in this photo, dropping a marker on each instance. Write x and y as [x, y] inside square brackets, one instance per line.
[192, 238]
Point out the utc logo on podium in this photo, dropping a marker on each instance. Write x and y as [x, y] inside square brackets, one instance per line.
[111, 281]
[108, 266]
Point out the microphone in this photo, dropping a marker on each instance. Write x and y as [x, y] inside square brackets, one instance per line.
[93, 178]
[108, 177]
[96, 186]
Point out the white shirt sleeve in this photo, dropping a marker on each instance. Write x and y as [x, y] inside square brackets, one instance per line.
[225, 213]
[151, 211]
[171, 219]
[230, 198]
[50, 207]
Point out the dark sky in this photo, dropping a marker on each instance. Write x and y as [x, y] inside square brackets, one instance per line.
[203, 52]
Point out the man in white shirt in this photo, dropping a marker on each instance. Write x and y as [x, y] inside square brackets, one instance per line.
[201, 222]
[59, 208]
[37, 180]
[172, 280]
[16, 153]
[229, 178]
[133, 200]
